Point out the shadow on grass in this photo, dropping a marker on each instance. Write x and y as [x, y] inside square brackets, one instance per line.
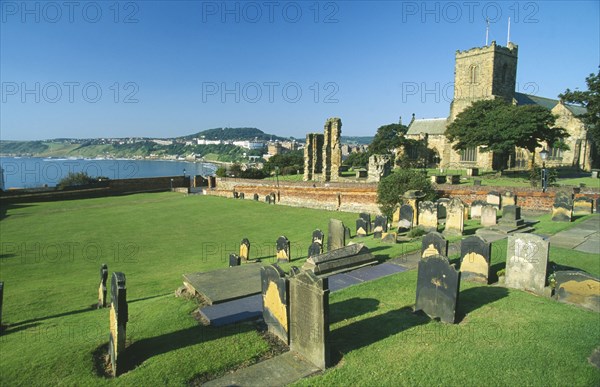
[144, 349]
[8, 329]
[474, 298]
[351, 308]
[88, 309]
[6, 207]
[494, 269]
[146, 298]
[371, 330]
[3, 256]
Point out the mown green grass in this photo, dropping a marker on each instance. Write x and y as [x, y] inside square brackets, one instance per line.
[503, 337]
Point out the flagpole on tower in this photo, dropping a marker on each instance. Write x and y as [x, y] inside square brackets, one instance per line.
[508, 35]
[487, 29]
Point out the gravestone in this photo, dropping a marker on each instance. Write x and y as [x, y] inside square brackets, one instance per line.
[583, 206]
[389, 237]
[318, 236]
[412, 198]
[102, 286]
[234, 260]
[406, 218]
[309, 317]
[562, 209]
[268, 199]
[577, 287]
[256, 197]
[347, 234]
[275, 289]
[336, 235]
[437, 288]
[428, 217]
[396, 215]
[245, 249]
[488, 216]
[118, 320]
[242, 196]
[236, 195]
[315, 249]
[367, 218]
[336, 261]
[526, 262]
[434, 243]
[380, 226]
[475, 255]
[455, 223]
[511, 215]
[494, 198]
[361, 228]
[509, 199]
[442, 205]
[476, 207]
[273, 198]
[283, 249]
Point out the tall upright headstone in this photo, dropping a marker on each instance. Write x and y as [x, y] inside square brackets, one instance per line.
[119, 316]
[455, 216]
[361, 227]
[406, 218]
[562, 209]
[234, 260]
[526, 262]
[367, 218]
[475, 255]
[245, 249]
[442, 205]
[509, 199]
[381, 226]
[283, 249]
[102, 286]
[275, 290]
[511, 216]
[336, 235]
[412, 198]
[494, 199]
[476, 207]
[434, 243]
[428, 217]
[583, 206]
[309, 317]
[488, 216]
[437, 288]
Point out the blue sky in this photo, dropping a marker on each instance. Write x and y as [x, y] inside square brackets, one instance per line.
[162, 69]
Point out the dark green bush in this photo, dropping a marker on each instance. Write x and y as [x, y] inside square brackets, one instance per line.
[392, 188]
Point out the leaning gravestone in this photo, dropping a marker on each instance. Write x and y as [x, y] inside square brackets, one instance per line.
[455, 216]
[380, 226]
[118, 320]
[275, 301]
[336, 236]
[526, 262]
[488, 216]
[437, 288]
[283, 249]
[361, 228]
[562, 209]
[367, 218]
[406, 218]
[102, 286]
[245, 249]
[494, 198]
[309, 317]
[577, 287]
[509, 199]
[476, 207]
[475, 255]
[434, 243]
[234, 260]
[315, 249]
[582, 206]
[428, 217]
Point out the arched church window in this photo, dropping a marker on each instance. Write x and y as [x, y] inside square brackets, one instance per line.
[474, 74]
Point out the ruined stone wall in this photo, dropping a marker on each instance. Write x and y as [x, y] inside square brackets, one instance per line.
[313, 156]
[332, 152]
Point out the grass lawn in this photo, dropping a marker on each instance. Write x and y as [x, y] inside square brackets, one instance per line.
[50, 258]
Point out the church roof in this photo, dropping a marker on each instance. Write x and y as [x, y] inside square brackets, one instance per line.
[548, 103]
[427, 125]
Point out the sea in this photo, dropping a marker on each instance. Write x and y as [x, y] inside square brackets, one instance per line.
[34, 172]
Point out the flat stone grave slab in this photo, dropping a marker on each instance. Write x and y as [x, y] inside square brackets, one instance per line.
[223, 285]
[591, 245]
[277, 371]
[342, 281]
[242, 309]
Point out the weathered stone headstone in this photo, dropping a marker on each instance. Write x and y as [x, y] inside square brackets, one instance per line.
[242, 195]
[476, 207]
[340, 260]
[236, 195]
[367, 218]
[434, 243]
[475, 255]
[315, 249]
[494, 198]
[442, 205]
[597, 206]
[488, 216]
[361, 228]
[526, 262]
[509, 199]
[273, 198]
[437, 288]
[412, 198]
[396, 215]
[455, 223]
[268, 199]
[119, 316]
[309, 317]
[255, 196]
[582, 206]
[389, 237]
[428, 217]
[406, 218]
[562, 209]
[283, 249]
[234, 260]
[577, 287]
[381, 226]
[336, 235]
[318, 236]
[102, 286]
[275, 301]
[245, 249]
[511, 215]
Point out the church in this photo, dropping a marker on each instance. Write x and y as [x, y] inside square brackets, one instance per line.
[490, 72]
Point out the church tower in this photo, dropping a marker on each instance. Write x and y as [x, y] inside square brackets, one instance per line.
[484, 73]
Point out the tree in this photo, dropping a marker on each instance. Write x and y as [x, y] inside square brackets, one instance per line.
[286, 162]
[391, 188]
[387, 139]
[75, 179]
[357, 159]
[499, 127]
[590, 99]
